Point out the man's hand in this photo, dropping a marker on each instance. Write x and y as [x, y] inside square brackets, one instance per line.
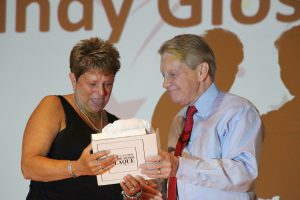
[164, 165]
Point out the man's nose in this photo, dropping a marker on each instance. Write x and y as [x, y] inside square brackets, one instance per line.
[166, 82]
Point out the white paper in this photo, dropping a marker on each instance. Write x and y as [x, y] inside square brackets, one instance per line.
[125, 127]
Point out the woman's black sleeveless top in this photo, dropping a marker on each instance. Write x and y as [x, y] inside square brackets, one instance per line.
[68, 145]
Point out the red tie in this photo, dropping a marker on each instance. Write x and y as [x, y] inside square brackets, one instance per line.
[181, 143]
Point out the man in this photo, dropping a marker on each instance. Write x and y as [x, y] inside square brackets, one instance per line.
[214, 147]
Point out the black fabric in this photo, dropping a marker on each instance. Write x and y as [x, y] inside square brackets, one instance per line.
[68, 145]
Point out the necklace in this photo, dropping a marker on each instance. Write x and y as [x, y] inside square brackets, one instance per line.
[87, 117]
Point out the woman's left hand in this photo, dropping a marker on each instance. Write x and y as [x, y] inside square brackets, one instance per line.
[150, 189]
[130, 185]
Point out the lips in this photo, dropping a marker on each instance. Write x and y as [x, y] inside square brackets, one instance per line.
[97, 102]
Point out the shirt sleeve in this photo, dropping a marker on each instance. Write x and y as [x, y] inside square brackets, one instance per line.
[237, 166]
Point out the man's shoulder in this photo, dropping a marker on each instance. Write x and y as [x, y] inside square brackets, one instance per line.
[231, 101]
[236, 99]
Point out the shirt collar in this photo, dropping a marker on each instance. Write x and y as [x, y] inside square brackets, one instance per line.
[205, 101]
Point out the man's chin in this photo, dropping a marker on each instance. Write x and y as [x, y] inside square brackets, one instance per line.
[174, 99]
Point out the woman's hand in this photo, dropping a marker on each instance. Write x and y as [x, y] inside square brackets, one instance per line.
[93, 163]
[130, 185]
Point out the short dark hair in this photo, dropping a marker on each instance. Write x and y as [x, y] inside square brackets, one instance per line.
[94, 53]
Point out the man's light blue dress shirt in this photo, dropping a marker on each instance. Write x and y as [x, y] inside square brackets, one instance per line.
[221, 159]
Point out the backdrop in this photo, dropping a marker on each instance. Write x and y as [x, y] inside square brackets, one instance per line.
[256, 43]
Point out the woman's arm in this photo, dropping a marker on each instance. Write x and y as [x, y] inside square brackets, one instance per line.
[41, 129]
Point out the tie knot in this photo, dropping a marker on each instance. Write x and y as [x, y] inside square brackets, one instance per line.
[191, 111]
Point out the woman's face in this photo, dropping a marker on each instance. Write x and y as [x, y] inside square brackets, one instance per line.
[92, 90]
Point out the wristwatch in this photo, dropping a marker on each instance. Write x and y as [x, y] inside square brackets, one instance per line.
[137, 196]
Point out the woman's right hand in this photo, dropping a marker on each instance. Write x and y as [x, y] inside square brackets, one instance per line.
[93, 163]
[132, 185]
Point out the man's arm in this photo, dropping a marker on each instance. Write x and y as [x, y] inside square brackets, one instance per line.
[235, 170]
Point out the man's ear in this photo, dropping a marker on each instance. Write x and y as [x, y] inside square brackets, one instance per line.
[202, 70]
[73, 80]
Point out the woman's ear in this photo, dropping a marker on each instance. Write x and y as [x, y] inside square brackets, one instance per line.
[73, 80]
[202, 69]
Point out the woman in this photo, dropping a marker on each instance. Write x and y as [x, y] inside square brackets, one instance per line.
[56, 154]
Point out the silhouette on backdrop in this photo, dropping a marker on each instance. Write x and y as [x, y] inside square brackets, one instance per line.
[229, 54]
[280, 162]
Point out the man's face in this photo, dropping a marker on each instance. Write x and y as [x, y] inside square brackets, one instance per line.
[181, 82]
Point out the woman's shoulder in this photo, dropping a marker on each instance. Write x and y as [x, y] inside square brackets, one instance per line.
[48, 110]
[50, 99]
[51, 103]
[54, 100]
